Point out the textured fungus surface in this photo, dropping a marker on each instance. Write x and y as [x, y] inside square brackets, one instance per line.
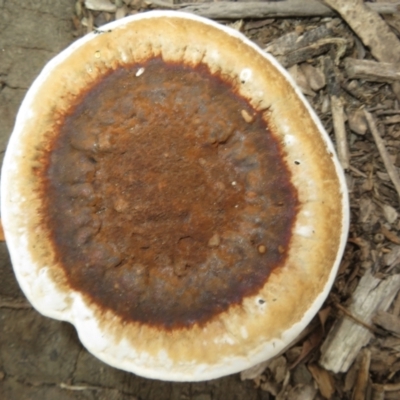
[167, 195]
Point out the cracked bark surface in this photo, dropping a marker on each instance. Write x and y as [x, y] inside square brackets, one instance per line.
[40, 358]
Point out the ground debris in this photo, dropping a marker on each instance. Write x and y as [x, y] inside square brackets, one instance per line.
[347, 336]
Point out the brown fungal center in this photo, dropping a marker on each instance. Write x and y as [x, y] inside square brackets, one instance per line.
[168, 200]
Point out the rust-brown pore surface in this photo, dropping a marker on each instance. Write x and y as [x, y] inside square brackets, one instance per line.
[167, 195]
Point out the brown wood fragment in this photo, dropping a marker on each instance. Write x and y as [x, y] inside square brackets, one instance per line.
[324, 380]
[387, 321]
[267, 9]
[360, 389]
[305, 53]
[390, 235]
[371, 70]
[380, 144]
[395, 119]
[347, 337]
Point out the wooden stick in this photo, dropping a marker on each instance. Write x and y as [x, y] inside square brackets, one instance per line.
[380, 144]
[371, 70]
[271, 9]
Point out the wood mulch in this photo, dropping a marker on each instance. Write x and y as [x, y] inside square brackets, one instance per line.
[346, 60]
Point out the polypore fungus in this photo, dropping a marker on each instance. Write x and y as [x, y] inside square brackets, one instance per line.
[168, 190]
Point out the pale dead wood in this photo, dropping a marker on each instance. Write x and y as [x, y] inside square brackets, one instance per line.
[347, 337]
[387, 321]
[371, 70]
[360, 388]
[380, 144]
[279, 9]
[354, 318]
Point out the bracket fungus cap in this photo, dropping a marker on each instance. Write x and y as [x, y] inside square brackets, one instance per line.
[169, 191]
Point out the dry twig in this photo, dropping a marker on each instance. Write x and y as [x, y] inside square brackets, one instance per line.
[390, 168]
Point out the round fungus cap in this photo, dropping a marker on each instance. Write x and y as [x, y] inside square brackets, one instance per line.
[168, 190]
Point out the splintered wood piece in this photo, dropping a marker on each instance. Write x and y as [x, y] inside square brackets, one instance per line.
[388, 321]
[294, 41]
[270, 9]
[380, 144]
[371, 70]
[370, 28]
[324, 380]
[347, 337]
[360, 388]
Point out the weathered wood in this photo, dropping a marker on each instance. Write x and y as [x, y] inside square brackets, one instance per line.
[294, 40]
[388, 321]
[347, 337]
[270, 9]
[372, 30]
[371, 70]
[303, 54]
